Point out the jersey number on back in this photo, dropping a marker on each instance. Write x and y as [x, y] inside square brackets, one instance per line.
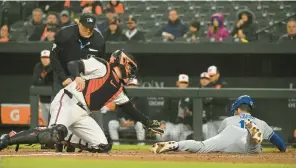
[242, 122]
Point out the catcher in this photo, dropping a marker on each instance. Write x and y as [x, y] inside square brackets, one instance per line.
[97, 82]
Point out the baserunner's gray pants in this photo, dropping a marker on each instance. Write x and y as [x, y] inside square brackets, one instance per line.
[231, 139]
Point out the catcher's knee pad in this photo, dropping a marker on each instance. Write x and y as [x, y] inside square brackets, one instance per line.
[53, 135]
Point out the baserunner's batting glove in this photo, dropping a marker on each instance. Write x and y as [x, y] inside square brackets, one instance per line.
[154, 127]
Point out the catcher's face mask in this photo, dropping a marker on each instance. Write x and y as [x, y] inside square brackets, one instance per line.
[126, 63]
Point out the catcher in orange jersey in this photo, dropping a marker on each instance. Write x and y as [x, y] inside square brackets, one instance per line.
[97, 82]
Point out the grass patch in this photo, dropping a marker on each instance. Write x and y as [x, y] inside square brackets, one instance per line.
[78, 163]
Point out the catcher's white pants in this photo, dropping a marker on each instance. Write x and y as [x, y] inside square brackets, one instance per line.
[114, 128]
[65, 110]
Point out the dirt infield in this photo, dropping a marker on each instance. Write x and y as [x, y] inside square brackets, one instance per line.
[271, 157]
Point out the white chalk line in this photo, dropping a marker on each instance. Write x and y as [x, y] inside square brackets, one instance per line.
[67, 154]
[41, 154]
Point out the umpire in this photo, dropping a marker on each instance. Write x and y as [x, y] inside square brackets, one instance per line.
[74, 42]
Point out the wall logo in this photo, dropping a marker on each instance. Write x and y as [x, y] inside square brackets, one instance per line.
[152, 83]
[15, 115]
[291, 102]
[89, 20]
[154, 101]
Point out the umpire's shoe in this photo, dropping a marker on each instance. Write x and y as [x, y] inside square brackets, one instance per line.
[4, 141]
[256, 134]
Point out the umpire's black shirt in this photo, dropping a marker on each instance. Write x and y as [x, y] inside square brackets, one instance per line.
[68, 46]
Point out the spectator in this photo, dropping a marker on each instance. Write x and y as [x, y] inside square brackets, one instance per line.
[52, 18]
[40, 32]
[65, 18]
[125, 123]
[133, 34]
[215, 79]
[50, 34]
[87, 9]
[245, 28]
[117, 5]
[111, 15]
[92, 5]
[193, 32]
[217, 30]
[183, 111]
[174, 28]
[180, 128]
[43, 76]
[291, 32]
[30, 25]
[204, 80]
[203, 83]
[114, 32]
[214, 107]
[4, 34]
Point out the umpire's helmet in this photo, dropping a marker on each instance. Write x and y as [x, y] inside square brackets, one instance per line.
[127, 64]
[245, 99]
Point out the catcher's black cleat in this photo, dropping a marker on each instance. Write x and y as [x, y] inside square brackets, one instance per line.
[70, 148]
[4, 141]
[59, 147]
[100, 149]
[47, 146]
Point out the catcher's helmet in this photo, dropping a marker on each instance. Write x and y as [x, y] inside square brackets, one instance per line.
[245, 99]
[127, 64]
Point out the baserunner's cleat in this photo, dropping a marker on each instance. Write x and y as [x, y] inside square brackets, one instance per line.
[162, 147]
[256, 134]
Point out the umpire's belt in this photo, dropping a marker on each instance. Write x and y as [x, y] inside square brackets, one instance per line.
[71, 96]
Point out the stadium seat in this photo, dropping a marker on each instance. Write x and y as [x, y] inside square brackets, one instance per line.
[16, 31]
[27, 7]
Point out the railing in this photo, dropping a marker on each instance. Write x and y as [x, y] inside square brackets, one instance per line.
[164, 48]
[195, 93]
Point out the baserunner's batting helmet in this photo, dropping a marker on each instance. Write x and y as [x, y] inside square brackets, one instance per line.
[244, 99]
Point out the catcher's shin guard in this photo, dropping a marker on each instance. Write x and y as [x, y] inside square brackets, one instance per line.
[46, 136]
[4, 141]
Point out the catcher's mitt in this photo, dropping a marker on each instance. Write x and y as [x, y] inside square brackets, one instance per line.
[154, 127]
